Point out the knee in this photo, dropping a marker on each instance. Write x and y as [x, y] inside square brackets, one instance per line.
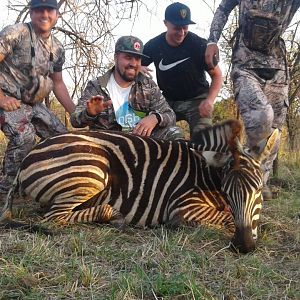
[20, 145]
[258, 125]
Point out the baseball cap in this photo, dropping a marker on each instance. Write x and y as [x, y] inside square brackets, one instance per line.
[178, 14]
[43, 3]
[130, 44]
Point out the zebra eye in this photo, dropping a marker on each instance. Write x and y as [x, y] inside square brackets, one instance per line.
[247, 151]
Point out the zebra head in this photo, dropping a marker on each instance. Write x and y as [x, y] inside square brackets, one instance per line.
[242, 183]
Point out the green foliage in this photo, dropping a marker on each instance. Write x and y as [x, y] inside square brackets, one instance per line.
[224, 109]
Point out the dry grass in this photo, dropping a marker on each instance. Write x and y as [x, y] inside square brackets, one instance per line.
[99, 262]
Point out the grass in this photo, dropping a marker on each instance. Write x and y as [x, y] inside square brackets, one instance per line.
[99, 262]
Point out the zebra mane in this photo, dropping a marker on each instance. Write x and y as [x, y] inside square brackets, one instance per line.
[223, 137]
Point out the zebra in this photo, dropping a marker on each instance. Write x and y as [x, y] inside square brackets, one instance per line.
[119, 178]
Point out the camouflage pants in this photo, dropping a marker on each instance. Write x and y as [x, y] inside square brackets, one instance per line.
[189, 111]
[21, 127]
[263, 106]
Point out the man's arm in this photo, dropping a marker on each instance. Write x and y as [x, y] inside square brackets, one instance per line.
[146, 61]
[160, 113]
[8, 103]
[218, 23]
[61, 93]
[206, 107]
[90, 106]
[159, 104]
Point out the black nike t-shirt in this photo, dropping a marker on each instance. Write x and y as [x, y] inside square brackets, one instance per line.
[180, 71]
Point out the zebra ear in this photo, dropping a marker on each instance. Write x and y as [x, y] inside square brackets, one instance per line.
[216, 159]
[264, 147]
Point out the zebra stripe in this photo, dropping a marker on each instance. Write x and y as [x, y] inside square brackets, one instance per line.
[89, 176]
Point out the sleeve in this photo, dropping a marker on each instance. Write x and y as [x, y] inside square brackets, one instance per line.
[58, 65]
[159, 104]
[147, 51]
[199, 46]
[9, 38]
[220, 19]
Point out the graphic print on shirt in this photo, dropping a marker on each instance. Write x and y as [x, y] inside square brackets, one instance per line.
[125, 115]
[163, 67]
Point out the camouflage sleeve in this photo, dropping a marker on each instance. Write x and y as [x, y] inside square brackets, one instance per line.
[159, 104]
[79, 118]
[220, 19]
[10, 36]
[59, 55]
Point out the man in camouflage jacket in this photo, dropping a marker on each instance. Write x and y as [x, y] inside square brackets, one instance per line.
[146, 111]
[31, 62]
[259, 66]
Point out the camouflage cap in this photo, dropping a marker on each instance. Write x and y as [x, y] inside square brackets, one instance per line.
[130, 44]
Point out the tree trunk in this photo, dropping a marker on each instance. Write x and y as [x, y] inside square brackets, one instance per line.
[275, 166]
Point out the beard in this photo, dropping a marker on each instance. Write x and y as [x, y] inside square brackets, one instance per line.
[125, 74]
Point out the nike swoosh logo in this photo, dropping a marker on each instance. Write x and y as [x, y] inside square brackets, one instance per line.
[170, 66]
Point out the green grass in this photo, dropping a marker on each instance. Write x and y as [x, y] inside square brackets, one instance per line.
[99, 262]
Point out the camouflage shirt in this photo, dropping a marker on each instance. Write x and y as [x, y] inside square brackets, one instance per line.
[144, 96]
[242, 55]
[15, 69]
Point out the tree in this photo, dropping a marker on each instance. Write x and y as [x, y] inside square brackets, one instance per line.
[293, 116]
[86, 30]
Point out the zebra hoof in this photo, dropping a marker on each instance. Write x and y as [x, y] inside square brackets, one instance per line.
[118, 223]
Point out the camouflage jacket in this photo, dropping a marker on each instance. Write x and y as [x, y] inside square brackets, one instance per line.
[242, 55]
[15, 69]
[144, 96]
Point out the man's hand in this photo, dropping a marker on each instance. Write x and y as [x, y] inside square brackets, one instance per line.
[206, 108]
[212, 56]
[146, 71]
[96, 105]
[146, 125]
[10, 103]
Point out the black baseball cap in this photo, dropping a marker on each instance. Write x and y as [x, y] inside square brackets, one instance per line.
[43, 3]
[178, 14]
[130, 44]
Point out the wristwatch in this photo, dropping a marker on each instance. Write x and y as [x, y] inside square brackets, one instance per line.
[158, 117]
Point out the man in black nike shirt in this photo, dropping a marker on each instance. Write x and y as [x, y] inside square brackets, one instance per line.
[179, 58]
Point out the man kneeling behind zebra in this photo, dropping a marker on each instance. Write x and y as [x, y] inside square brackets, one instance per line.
[94, 176]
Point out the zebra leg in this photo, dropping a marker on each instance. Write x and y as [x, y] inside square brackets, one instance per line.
[201, 208]
[103, 213]
[214, 217]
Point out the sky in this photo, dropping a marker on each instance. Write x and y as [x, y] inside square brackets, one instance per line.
[148, 25]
